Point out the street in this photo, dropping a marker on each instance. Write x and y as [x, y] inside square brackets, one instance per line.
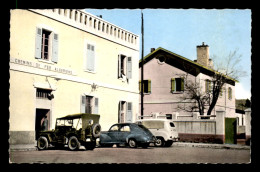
[174, 154]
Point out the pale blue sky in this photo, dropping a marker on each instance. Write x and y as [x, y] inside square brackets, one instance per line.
[180, 31]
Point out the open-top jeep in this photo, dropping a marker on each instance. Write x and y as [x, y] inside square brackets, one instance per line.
[72, 130]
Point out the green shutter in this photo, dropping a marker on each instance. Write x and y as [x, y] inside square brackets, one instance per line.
[149, 86]
[182, 84]
[172, 84]
[140, 86]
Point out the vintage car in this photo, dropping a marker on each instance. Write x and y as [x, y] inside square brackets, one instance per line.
[163, 129]
[128, 134]
[72, 130]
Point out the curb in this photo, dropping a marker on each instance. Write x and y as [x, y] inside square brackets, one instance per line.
[214, 146]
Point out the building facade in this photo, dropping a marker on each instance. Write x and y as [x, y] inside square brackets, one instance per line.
[65, 61]
[164, 86]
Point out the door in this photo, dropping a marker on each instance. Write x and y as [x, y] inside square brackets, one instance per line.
[42, 121]
[230, 130]
[113, 133]
[124, 131]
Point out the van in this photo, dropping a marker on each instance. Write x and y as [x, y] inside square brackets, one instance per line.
[163, 129]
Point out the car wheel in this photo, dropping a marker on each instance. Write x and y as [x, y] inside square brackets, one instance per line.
[42, 143]
[73, 143]
[168, 143]
[90, 146]
[159, 142]
[96, 130]
[132, 143]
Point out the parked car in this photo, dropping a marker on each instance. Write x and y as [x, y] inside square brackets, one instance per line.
[130, 134]
[72, 130]
[163, 129]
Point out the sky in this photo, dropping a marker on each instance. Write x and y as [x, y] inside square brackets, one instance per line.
[180, 31]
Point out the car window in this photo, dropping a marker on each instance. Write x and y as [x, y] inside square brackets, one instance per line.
[172, 124]
[125, 128]
[114, 128]
[153, 124]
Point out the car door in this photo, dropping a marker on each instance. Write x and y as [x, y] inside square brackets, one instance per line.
[113, 133]
[124, 132]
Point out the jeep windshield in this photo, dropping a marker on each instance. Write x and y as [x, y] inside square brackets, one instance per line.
[75, 123]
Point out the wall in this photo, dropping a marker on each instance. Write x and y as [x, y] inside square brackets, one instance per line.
[67, 79]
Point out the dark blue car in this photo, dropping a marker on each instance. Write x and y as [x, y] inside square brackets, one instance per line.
[127, 133]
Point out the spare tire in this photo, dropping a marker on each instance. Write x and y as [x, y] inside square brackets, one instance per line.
[96, 130]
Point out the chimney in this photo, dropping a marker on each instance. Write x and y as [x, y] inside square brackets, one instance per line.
[203, 55]
[152, 49]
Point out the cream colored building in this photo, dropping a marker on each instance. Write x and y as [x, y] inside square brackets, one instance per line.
[65, 62]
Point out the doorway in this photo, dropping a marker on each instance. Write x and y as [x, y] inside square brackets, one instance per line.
[42, 121]
[230, 130]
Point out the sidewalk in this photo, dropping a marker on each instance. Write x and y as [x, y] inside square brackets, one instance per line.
[31, 147]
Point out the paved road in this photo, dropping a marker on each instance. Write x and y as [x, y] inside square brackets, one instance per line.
[127, 155]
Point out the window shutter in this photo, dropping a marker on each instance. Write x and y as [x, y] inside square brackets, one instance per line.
[182, 84]
[209, 84]
[90, 57]
[96, 106]
[82, 104]
[140, 86]
[206, 85]
[119, 66]
[38, 43]
[129, 112]
[129, 67]
[119, 112]
[149, 86]
[173, 84]
[55, 48]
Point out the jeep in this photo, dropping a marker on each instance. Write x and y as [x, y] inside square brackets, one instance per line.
[163, 129]
[72, 130]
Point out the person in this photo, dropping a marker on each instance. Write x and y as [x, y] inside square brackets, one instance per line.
[45, 124]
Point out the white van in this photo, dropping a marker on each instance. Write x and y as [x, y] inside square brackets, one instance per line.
[164, 130]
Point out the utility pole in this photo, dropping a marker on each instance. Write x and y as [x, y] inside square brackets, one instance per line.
[142, 68]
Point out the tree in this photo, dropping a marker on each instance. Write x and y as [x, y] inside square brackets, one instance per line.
[228, 72]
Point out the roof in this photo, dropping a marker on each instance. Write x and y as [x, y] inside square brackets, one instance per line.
[174, 56]
[73, 116]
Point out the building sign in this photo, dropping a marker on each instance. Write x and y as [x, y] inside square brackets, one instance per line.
[42, 66]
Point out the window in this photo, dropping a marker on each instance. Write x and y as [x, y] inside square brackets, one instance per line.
[46, 45]
[125, 128]
[125, 111]
[89, 104]
[146, 86]
[177, 84]
[90, 58]
[229, 93]
[207, 85]
[124, 66]
[114, 128]
[43, 94]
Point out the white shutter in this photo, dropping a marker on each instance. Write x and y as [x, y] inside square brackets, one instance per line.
[119, 111]
[119, 66]
[55, 48]
[129, 67]
[129, 112]
[82, 104]
[96, 106]
[38, 43]
[90, 57]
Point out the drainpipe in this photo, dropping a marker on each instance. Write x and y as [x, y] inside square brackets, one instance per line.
[142, 69]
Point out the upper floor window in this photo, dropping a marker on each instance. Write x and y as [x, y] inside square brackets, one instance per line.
[124, 66]
[177, 84]
[90, 58]
[46, 45]
[146, 86]
[207, 85]
[229, 93]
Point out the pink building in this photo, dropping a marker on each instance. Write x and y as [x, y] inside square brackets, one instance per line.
[164, 83]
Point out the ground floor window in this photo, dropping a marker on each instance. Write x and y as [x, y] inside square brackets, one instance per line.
[89, 104]
[125, 111]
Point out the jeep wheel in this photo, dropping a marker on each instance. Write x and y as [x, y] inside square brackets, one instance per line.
[73, 143]
[96, 130]
[42, 143]
[159, 142]
[132, 143]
